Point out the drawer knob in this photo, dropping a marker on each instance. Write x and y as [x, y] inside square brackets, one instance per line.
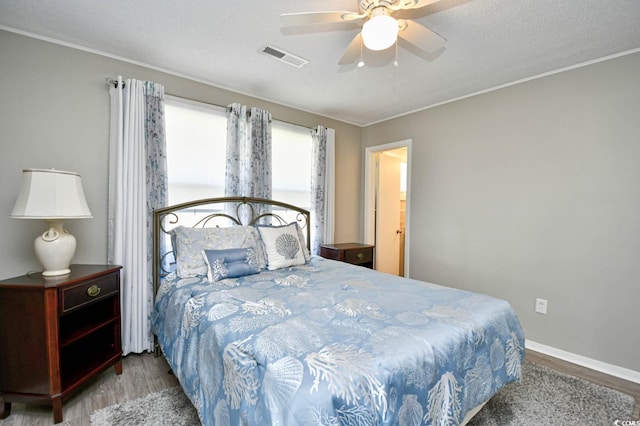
[93, 291]
[360, 256]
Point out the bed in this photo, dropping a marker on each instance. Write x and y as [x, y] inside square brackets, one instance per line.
[259, 332]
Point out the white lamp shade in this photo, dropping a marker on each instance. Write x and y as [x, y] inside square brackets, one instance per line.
[50, 194]
[380, 32]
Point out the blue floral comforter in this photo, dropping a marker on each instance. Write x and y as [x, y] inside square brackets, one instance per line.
[329, 343]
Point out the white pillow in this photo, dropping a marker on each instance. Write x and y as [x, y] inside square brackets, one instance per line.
[282, 246]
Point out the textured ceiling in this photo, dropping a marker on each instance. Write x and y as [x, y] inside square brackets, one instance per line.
[490, 43]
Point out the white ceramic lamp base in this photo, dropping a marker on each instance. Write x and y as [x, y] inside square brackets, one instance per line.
[55, 249]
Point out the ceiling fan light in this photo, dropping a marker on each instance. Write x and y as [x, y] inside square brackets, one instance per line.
[380, 32]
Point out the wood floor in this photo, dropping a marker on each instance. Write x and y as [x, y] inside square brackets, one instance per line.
[141, 374]
[144, 374]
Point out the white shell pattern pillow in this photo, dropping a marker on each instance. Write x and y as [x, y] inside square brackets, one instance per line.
[282, 246]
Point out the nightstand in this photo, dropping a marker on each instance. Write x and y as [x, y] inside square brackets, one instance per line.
[354, 253]
[56, 333]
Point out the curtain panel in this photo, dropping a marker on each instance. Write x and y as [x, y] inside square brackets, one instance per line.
[248, 156]
[322, 187]
[137, 186]
[248, 167]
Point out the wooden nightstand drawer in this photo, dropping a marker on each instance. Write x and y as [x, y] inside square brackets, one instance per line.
[358, 256]
[354, 253]
[91, 291]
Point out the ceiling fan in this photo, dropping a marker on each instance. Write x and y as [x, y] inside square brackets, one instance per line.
[380, 29]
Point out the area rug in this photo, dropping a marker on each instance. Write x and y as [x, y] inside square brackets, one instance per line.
[167, 407]
[545, 397]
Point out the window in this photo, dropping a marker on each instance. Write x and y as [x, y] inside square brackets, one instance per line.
[291, 163]
[196, 144]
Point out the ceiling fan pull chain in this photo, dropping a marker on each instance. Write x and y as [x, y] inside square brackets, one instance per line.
[395, 63]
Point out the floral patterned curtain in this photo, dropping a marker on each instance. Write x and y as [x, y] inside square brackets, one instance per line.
[248, 167]
[137, 186]
[322, 187]
[237, 128]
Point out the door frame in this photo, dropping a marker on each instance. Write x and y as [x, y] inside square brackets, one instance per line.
[370, 194]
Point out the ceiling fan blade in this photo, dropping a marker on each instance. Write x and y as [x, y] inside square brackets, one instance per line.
[413, 4]
[353, 51]
[308, 18]
[420, 37]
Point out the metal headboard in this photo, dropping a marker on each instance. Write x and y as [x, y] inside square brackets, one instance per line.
[227, 211]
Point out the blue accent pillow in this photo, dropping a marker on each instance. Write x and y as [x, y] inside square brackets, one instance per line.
[230, 263]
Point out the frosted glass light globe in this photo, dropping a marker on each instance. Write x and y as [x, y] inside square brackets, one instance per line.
[380, 32]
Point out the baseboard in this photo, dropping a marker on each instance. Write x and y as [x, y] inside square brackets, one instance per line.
[603, 367]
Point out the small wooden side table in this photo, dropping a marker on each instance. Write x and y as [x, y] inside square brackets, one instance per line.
[354, 253]
[56, 333]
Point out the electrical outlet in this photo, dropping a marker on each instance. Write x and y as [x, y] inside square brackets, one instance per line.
[541, 306]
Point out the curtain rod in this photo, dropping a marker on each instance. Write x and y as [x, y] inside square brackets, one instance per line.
[111, 82]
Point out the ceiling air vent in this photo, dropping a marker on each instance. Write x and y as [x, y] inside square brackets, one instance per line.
[284, 56]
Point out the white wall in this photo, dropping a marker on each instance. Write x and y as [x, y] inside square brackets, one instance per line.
[54, 112]
[534, 191]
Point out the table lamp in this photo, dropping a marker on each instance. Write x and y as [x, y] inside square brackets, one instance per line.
[52, 195]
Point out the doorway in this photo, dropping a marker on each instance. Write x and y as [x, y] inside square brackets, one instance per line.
[386, 216]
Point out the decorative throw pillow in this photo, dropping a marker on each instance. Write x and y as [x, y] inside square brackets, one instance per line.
[188, 244]
[230, 263]
[282, 246]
